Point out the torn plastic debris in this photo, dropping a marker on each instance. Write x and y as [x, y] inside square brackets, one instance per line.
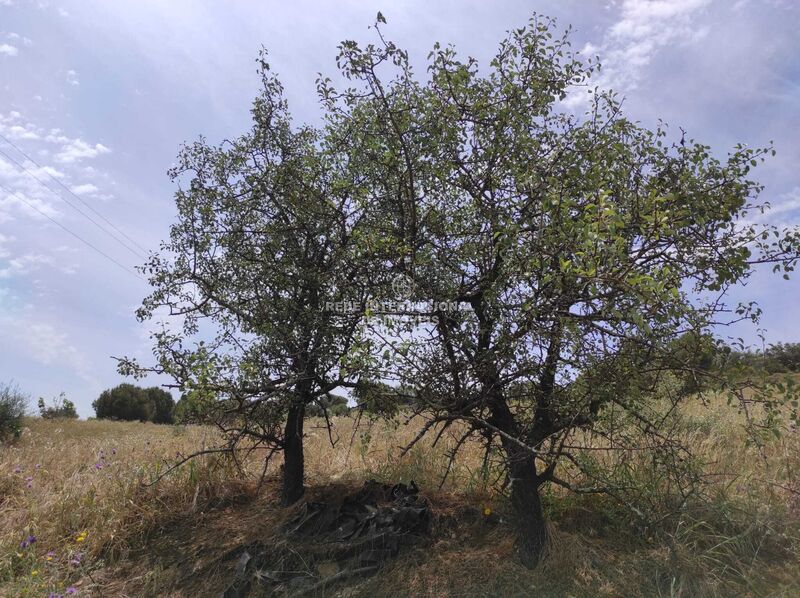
[327, 543]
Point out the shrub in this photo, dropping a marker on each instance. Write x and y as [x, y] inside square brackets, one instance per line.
[62, 407]
[13, 404]
[332, 404]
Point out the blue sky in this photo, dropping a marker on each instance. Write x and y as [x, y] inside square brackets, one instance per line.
[101, 94]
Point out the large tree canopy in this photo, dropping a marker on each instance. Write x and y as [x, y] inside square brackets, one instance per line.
[572, 265]
[576, 250]
[265, 238]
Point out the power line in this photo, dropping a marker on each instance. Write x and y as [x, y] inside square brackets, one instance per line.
[73, 206]
[81, 239]
[138, 254]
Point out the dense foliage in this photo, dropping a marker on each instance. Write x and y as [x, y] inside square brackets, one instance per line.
[558, 257]
[132, 403]
[266, 237]
[13, 405]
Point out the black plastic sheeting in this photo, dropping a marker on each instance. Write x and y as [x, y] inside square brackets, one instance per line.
[325, 544]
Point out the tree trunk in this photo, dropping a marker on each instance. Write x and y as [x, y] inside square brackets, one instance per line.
[531, 528]
[293, 465]
[529, 521]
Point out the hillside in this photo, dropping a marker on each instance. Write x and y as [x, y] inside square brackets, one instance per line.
[78, 488]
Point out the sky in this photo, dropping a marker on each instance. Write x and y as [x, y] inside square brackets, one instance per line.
[100, 95]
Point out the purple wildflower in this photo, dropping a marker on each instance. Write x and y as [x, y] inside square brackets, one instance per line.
[17, 469]
[98, 466]
[113, 451]
[54, 595]
[76, 558]
[38, 466]
[27, 541]
[72, 590]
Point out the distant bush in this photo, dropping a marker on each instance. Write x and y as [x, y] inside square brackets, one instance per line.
[333, 405]
[382, 399]
[131, 403]
[62, 407]
[13, 404]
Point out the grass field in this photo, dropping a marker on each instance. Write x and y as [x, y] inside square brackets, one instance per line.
[79, 488]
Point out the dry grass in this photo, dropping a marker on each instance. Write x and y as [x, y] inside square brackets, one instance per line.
[86, 501]
[77, 488]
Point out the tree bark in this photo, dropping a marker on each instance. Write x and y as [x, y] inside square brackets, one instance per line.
[531, 529]
[532, 538]
[293, 463]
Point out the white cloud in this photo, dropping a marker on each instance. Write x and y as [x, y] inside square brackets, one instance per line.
[32, 207]
[11, 125]
[4, 241]
[786, 204]
[643, 29]
[55, 136]
[84, 189]
[72, 78]
[8, 50]
[45, 344]
[49, 345]
[20, 132]
[783, 212]
[28, 42]
[24, 264]
[77, 149]
[29, 197]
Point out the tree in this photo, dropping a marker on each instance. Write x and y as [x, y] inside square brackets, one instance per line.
[132, 403]
[163, 405]
[125, 402]
[13, 405]
[61, 408]
[560, 257]
[566, 268]
[263, 246]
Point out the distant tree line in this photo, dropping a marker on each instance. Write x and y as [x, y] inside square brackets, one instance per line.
[781, 358]
[133, 403]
